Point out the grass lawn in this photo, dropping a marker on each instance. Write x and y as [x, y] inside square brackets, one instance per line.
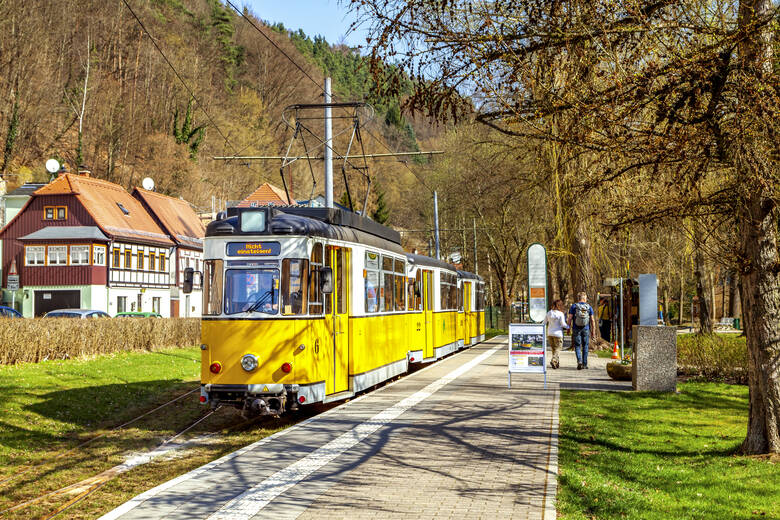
[49, 408]
[492, 333]
[661, 456]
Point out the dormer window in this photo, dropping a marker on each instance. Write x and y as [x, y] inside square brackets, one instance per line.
[55, 213]
[124, 210]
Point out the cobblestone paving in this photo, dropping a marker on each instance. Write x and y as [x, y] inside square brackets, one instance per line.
[471, 449]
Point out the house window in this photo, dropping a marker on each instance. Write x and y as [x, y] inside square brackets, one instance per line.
[121, 303]
[99, 255]
[55, 213]
[140, 300]
[115, 261]
[152, 261]
[156, 304]
[162, 262]
[79, 255]
[140, 260]
[58, 255]
[128, 259]
[35, 255]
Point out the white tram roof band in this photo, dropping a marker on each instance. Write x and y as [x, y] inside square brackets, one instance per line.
[333, 224]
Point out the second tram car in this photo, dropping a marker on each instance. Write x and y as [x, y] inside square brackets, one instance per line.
[312, 305]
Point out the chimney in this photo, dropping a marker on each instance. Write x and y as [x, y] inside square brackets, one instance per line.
[84, 170]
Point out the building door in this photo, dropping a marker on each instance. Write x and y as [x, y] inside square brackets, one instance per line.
[337, 318]
[467, 312]
[46, 301]
[428, 312]
[174, 308]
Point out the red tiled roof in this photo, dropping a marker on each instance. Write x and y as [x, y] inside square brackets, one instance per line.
[102, 199]
[176, 216]
[264, 195]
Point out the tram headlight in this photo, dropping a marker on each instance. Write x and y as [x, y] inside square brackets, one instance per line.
[249, 362]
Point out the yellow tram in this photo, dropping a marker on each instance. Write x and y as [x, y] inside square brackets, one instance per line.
[312, 305]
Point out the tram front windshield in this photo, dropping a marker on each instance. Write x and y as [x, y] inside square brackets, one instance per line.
[252, 290]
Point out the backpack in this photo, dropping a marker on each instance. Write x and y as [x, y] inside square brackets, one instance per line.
[582, 315]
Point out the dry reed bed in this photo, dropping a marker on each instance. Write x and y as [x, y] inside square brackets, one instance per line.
[34, 340]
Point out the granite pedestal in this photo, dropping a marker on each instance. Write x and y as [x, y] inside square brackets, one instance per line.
[655, 359]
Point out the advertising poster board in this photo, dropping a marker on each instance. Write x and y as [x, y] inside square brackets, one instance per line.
[527, 349]
[537, 282]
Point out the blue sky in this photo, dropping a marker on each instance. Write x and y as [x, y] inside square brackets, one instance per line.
[329, 18]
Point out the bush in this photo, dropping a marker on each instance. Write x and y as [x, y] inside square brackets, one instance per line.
[713, 357]
[34, 340]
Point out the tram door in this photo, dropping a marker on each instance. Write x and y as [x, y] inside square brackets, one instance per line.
[336, 318]
[428, 312]
[467, 312]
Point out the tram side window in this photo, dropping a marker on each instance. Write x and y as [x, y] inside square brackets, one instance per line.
[399, 279]
[410, 294]
[372, 283]
[212, 287]
[453, 292]
[448, 291]
[444, 291]
[294, 286]
[418, 291]
[315, 295]
[387, 283]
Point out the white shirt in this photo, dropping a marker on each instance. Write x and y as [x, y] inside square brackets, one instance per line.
[556, 322]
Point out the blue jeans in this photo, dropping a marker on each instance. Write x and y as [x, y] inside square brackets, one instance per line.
[580, 339]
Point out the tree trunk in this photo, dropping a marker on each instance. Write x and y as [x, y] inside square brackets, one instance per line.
[761, 306]
[666, 305]
[702, 293]
[682, 296]
[757, 220]
[732, 293]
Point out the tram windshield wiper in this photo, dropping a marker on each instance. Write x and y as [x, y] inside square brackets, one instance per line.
[262, 300]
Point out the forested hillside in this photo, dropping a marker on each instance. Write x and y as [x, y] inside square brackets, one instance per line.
[87, 83]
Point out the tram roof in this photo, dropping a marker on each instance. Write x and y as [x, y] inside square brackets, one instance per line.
[323, 222]
[429, 262]
[470, 276]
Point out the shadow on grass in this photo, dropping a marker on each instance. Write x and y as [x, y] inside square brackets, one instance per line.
[83, 409]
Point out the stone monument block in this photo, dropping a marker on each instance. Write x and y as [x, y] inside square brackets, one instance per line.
[655, 358]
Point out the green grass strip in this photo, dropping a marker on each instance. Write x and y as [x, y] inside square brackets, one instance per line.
[651, 456]
[44, 403]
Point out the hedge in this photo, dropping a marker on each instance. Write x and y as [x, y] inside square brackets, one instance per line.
[41, 339]
[714, 357]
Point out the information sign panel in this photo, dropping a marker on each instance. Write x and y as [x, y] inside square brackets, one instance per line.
[13, 282]
[527, 349]
[537, 282]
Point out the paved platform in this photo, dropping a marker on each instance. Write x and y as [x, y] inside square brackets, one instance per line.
[449, 441]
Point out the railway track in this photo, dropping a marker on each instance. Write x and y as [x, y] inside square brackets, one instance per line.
[95, 438]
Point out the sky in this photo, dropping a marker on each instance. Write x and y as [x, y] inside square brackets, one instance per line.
[328, 18]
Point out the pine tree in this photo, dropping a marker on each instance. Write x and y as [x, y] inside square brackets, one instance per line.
[382, 213]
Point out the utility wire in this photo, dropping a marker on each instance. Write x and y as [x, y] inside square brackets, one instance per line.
[187, 88]
[252, 23]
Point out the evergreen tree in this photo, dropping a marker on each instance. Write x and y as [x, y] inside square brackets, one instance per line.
[382, 213]
[192, 137]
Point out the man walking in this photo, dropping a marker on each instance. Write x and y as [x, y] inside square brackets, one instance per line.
[556, 322]
[583, 326]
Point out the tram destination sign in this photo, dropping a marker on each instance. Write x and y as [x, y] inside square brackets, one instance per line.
[253, 248]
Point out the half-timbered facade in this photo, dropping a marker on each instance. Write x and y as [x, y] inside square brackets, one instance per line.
[184, 227]
[88, 243]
